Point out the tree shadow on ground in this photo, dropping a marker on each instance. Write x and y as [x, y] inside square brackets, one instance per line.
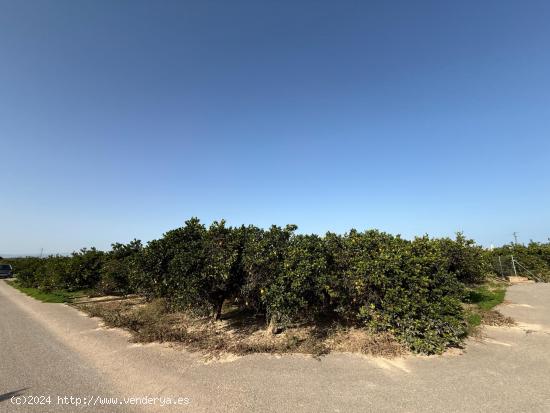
[9, 395]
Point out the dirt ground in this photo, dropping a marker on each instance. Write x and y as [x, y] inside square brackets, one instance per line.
[236, 333]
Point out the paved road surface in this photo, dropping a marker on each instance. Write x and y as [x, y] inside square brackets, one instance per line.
[52, 349]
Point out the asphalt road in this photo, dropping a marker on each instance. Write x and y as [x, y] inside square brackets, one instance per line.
[52, 349]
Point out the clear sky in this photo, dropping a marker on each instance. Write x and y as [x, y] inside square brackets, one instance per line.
[121, 119]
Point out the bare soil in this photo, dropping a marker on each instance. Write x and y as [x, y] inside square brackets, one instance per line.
[236, 333]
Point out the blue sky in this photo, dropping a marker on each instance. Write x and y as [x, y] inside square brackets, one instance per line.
[123, 119]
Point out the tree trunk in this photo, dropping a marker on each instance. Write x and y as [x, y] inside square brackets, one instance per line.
[273, 327]
[219, 306]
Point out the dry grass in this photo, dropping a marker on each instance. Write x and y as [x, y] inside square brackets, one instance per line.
[495, 318]
[238, 334]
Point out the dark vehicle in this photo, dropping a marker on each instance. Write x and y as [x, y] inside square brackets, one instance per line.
[5, 271]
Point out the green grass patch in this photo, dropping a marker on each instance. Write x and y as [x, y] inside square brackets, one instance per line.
[55, 296]
[485, 298]
[473, 319]
[479, 303]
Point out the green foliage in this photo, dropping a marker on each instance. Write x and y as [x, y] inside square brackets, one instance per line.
[465, 259]
[300, 289]
[263, 258]
[54, 273]
[46, 274]
[26, 270]
[223, 273]
[193, 267]
[209, 269]
[533, 257]
[119, 266]
[83, 269]
[167, 265]
[383, 282]
[401, 286]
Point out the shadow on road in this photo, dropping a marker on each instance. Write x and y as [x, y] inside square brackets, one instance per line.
[7, 396]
